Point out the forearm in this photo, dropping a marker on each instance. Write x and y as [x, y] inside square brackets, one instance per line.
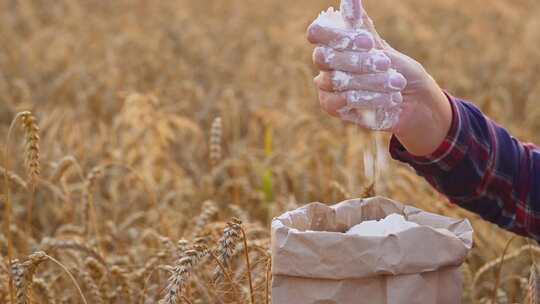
[482, 168]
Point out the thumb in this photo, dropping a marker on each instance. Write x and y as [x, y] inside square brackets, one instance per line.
[351, 11]
[370, 27]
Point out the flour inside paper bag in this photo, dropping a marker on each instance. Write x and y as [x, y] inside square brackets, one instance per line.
[393, 223]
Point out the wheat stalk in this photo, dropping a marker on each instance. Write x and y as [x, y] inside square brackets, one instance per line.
[268, 279]
[32, 162]
[499, 271]
[467, 279]
[70, 275]
[496, 262]
[246, 255]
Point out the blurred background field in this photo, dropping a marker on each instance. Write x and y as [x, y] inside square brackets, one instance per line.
[125, 93]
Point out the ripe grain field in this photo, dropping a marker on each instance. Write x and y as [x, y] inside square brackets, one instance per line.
[152, 140]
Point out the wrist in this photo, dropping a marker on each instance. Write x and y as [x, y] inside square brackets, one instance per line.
[425, 122]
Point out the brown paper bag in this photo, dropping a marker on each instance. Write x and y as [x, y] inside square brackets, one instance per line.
[313, 261]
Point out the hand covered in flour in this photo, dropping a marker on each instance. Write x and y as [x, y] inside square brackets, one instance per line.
[365, 81]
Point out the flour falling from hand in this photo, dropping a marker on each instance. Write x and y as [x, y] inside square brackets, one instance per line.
[392, 224]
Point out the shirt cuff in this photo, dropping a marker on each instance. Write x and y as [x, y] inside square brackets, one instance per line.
[451, 151]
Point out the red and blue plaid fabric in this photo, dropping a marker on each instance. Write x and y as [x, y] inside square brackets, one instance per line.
[482, 168]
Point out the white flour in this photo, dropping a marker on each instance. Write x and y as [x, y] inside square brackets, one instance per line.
[341, 80]
[374, 56]
[359, 108]
[332, 19]
[359, 98]
[392, 224]
[351, 10]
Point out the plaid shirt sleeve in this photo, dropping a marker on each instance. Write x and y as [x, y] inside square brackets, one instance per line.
[482, 168]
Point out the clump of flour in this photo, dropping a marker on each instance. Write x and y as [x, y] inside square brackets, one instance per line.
[332, 19]
[392, 224]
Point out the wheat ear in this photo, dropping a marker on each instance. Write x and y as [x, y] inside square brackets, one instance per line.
[227, 245]
[62, 167]
[14, 178]
[187, 260]
[216, 132]
[89, 212]
[45, 290]
[23, 275]
[95, 293]
[369, 191]
[33, 168]
[123, 280]
[533, 287]
[209, 210]
[31, 130]
[180, 275]
[239, 213]
[95, 268]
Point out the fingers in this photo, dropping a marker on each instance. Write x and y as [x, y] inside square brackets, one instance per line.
[351, 11]
[375, 61]
[357, 82]
[338, 81]
[333, 102]
[340, 39]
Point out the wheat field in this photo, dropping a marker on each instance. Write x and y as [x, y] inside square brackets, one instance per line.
[146, 143]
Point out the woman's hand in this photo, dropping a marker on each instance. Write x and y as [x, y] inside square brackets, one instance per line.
[365, 81]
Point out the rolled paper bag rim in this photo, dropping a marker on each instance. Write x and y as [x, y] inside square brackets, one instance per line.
[309, 241]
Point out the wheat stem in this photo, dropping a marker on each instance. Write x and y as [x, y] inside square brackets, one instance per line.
[70, 276]
[499, 271]
[9, 207]
[268, 278]
[225, 271]
[248, 270]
